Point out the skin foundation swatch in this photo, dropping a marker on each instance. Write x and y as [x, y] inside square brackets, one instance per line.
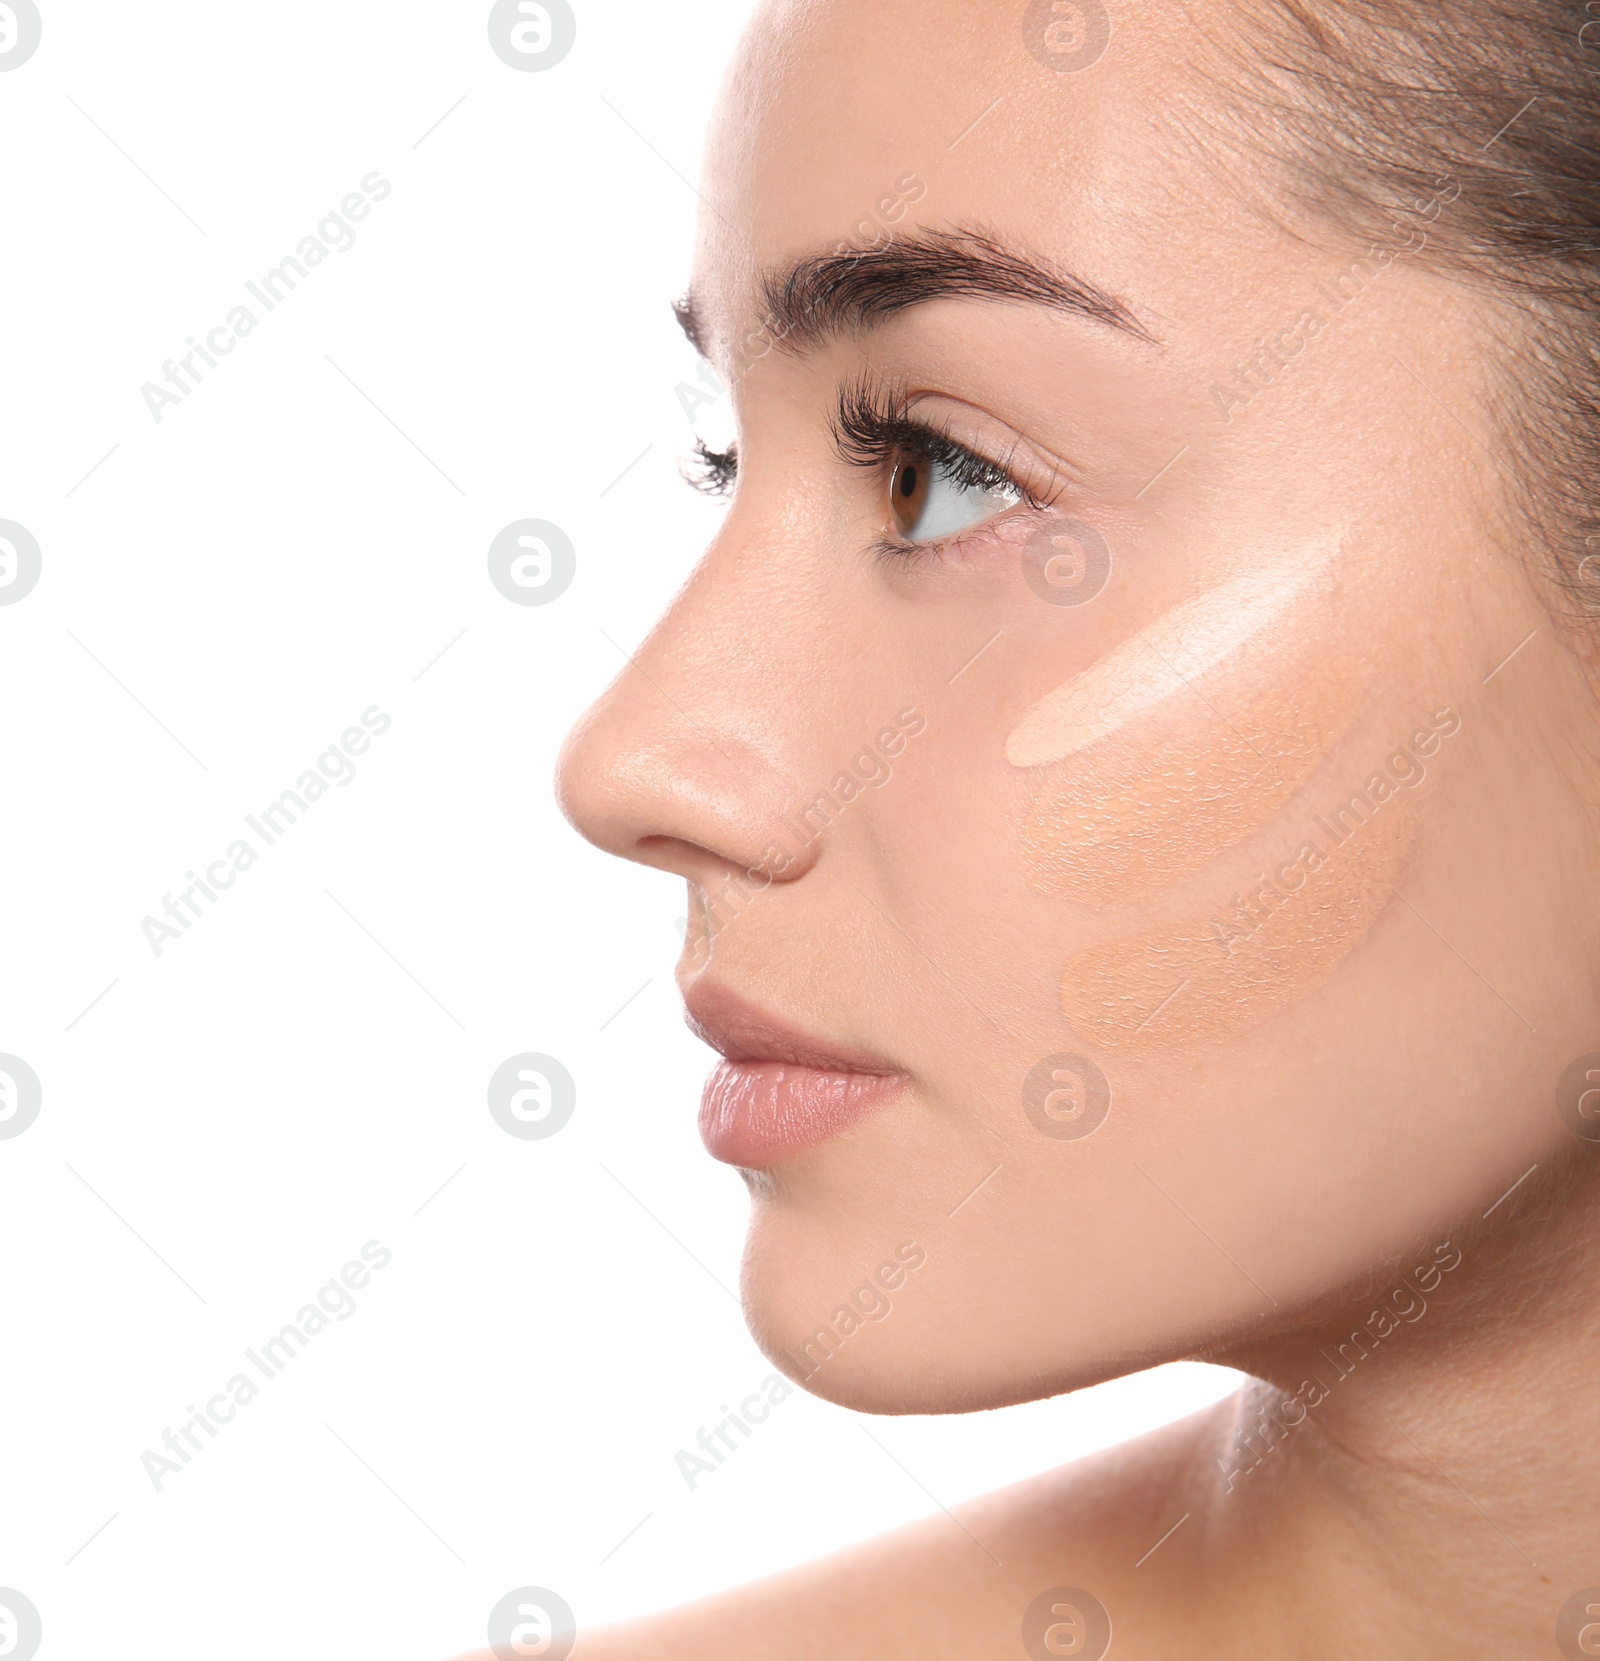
[1178, 745]
[1277, 926]
[1160, 662]
[1127, 818]
[1182, 740]
[1207, 980]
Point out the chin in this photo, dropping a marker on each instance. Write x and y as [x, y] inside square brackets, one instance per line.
[876, 1324]
[834, 1312]
[877, 1376]
[922, 1371]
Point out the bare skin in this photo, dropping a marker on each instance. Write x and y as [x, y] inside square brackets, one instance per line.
[1339, 1167]
[1439, 1503]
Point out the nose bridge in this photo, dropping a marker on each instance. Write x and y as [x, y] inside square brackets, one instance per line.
[686, 760]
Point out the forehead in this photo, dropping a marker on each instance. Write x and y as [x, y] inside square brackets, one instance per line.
[846, 122]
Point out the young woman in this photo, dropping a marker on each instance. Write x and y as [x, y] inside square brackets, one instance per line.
[1134, 755]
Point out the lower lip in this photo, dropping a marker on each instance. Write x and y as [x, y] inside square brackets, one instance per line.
[754, 1112]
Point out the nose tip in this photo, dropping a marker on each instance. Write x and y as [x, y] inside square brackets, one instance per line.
[643, 778]
[584, 786]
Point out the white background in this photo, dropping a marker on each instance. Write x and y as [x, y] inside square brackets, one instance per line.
[221, 596]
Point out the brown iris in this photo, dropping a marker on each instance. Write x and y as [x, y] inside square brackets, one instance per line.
[908, 490]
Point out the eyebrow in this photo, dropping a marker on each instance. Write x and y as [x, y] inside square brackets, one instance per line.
[818, 297]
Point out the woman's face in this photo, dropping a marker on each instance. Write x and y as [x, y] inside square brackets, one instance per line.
[1131, 803]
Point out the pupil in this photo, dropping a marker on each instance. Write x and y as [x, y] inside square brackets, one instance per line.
[908, 481]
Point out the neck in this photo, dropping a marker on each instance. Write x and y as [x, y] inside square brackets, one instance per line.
[1424, 1465]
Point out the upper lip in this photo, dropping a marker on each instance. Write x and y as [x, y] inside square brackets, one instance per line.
[742, 1032]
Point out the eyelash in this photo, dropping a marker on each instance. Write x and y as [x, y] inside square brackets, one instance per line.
[870, 426]
[712, 472]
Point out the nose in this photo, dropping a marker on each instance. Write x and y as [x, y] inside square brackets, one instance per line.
[682, 764]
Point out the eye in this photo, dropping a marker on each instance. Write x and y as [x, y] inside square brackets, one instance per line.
[937, 487]
[932, 497]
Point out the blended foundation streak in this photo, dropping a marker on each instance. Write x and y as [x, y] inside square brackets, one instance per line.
[1165, 759]
[1182, 740]
[1126, 992]
[1159, 663]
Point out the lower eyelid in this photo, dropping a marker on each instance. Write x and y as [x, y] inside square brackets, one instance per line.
[1011, 527]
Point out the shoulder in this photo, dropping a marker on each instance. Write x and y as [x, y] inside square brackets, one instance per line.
[956, 1584]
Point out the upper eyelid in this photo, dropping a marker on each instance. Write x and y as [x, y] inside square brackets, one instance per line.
[872, 415]
[1004, 466]
[1006, 460]
[868, 445]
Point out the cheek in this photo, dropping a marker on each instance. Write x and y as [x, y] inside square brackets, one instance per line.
[1269, 934]
[1231, 845]
[1137, 813]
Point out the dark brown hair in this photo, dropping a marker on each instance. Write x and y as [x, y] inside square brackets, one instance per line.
[1372, 105]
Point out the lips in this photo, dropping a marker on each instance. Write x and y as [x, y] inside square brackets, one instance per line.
[778, 1089]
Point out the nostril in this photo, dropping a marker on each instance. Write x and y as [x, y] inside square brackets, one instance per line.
[672, 853]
